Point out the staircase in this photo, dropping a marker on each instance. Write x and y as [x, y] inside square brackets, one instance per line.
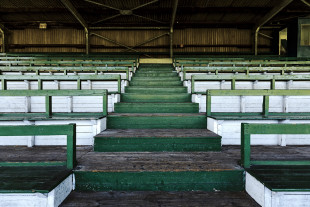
[156, 114]
[156, 140]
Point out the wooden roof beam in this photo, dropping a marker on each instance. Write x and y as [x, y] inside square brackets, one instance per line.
[78, 16]
[174, 11]
[273, 12]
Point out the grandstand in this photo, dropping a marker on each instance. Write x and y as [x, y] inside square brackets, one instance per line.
[154, 103]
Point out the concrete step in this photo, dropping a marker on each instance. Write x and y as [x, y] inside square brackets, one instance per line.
[156, 121]
[156, 98]
[156, 140]
[155, 90]
[156, 107]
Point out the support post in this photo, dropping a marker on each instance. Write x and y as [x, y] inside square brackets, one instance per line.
[174, 11]
[4, 36]
[274, 11]
[87, 41]
[245, 146]
[171, 42]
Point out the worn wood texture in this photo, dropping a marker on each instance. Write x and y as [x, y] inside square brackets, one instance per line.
[198, 198]
[282, 178]
[38, 153]
[157, 132]
[31, 179]
[88, 160]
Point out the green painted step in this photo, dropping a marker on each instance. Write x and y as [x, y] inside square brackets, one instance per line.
[163, 74]
[157, 121]
[156, 71]
[224, 180]
[156, 107]
[156, 83]
[157, 98]
[175, 78]
[157, 140]
[155, 90]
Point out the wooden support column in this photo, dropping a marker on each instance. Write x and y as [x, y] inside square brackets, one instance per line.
[87, 41]
[174, 11]
[274, 11]
[77, 15]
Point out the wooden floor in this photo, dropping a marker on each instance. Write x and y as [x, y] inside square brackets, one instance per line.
[38, 153]
[133, 161]
[227, 199]
[157, 133]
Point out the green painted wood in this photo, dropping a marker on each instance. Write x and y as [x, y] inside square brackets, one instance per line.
[162, 74]
[30, 179]
[234, 78]
[248, 129]
[77, 78]
[158, 98]
[48, 99]
[156, 108]
[162, 147]
[156, 83]
[157, 122]
[160, 78]
[155, 89]
[259, 116]
[158, 72]
[264, 93]
[160, 181]
[287, 178]
[34, 130]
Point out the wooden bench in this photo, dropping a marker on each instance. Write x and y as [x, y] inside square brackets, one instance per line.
[244, 70]
[265, 114]
[78, 78]
[48, 94]
[233, 78]
[67, 66]
[28, 130]
[69, 56]
[38, 183]
[275, 182]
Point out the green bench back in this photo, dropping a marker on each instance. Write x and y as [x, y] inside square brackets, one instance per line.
[264, 93]
[48, 94]
[234, 78]
[248, 129]
[44, 130]
[78, 78]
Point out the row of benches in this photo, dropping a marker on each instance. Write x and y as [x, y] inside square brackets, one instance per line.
[76, 78]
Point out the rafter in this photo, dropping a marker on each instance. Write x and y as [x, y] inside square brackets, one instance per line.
[124, 12]
[78, 16]
[74, 12]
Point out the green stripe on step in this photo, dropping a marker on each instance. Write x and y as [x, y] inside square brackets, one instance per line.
[230, 180]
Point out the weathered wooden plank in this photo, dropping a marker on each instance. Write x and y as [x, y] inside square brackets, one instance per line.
[152, 199]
